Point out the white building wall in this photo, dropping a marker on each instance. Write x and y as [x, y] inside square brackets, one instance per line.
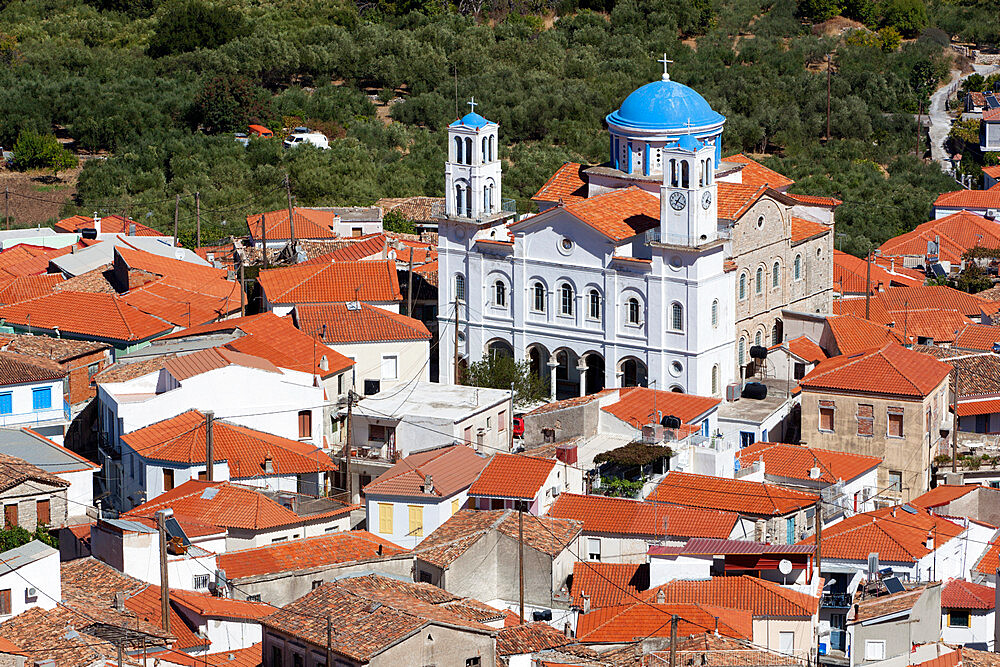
[43, 575]
[80, 494]
[434, 514]
[980, 629]
[412, 361]
[23, 412]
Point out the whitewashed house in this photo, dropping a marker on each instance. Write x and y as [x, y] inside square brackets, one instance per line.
[31, 392]
[967, 614]
[58, 461]
[29, 577]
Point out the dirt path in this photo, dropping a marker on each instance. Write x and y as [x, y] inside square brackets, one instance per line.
[35, 198]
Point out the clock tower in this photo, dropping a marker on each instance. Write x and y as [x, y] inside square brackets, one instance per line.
[688, 206]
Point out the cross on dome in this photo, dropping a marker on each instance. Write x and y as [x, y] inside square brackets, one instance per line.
[666, 76]
[472, 104]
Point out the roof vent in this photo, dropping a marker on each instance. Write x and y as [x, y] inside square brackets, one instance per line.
[324, 363]
[661, 597]
[428, 485]
[353, 305]
[814, 472]
[268, 465]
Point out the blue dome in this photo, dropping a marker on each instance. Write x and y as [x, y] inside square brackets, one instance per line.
[472, 119]
[689, 143]
[665, 105]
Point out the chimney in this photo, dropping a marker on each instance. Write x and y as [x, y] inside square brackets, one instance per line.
[930, 541]
[131, 229]
[268, 465]
[118, 601]
[97, 223]
[567, 630]
[586, 603]
[429, 484]
[716, 626]
[661, 597]
[209, 446]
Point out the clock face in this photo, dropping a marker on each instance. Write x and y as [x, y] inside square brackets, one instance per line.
[706, 199]
[677, 201]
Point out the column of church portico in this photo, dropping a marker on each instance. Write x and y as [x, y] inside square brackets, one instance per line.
[581, 368]
[553, 365]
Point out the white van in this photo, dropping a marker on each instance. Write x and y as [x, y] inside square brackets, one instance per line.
[317, 139]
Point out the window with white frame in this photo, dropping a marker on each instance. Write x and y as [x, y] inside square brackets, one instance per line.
[538, 297]
[677, 317]
[595, 304]
[715, 313]
[566, 299]
[390, 367]
[500, 294]
[874, 649]
[200, 581]
[593, 548]
[459, 287]
[632, 310]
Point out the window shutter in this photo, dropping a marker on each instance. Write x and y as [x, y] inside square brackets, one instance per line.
[866, 420]
[5, 601]
[44, 514]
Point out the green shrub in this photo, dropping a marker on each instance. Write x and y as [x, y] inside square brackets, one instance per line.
[41, 151]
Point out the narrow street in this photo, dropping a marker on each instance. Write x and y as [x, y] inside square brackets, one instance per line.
[940, 120]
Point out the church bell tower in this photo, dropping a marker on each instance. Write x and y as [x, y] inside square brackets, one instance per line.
[472, 173]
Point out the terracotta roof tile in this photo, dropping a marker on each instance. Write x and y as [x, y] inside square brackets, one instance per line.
[942, 495]
[168, 266]
[363, 325]
[122, 372]
[18, 368]
[110, 224]
[940, 324]
[14, 471]
[803, 230]
[608, 584]
[241, 657]
[370, 614]
[96, 315]
[329, 549]
[732, 495]
[47, 347]
[530, 638]
[624, 516]
[734, 199]
[756, 174]
[806, 349]
[966, 199]
[309, 224]
[454, 537]
[451, 469]
[566, 184]
[854, 334]
[189, 365]
[418, 209]
[638, 405]
[22, 288]
[758, 596]
[850, 275]
[213, 606]
[897, 535]
[571, 402]
[231, 506]
[961, 594]
[956, 233]
[889, 604]
[990, 560]
[628, 623]
[813, 200]
[890, 369]
[516, 476]
[978, 337]
[146, 605]
[796, 462]
[618, 214]
[181, 439]
[24, 259]
[992, 172]
[332, 283]
[41, 635]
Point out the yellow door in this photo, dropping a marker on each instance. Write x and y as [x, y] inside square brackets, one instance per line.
[455, 506]
[416, 521]
[385, 518]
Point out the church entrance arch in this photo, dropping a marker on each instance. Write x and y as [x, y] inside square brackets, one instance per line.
[538, 360]
[595, 372]
[498, 347]
[634, 373]
[567, 373]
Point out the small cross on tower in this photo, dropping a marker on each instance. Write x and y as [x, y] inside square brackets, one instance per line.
[472, 104]
[666, 76]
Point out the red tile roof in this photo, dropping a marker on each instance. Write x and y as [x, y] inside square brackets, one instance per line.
[957, 233]
[628, 623]
[181, 439]
[624, 516]
[854, 334]
[990, 560]
[309, 224]
[756, 174]
[168, 266]
[211, 359]
[942, 495]
[211, 606]
[18, 368]
[368, 247]
[329, 549]
[758, 596]
[231, 506]
[530, 638]
[803, 230]
[978, 337]
[22, 288]
[240, 657]
[961, 594]
[110, 224]
[966, 199]
[367, 324]
[987, 407]
[567, 184]
[276, 339]
[618, 214]
[99, 316]
[855, 307]
[608, 584]
[735, 199]
[850, 275]
[638, 405]
[25, 259]
[804, 348]
[898, 535]
[796, 462]
[813, 200]
[891, 369]
[332, 283]
[450, 469]
[940, 324]
[147, 606]
[512, 476]
[734, 495]
[992, 172]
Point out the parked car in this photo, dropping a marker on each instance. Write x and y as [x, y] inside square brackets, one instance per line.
[317, 139]
[518, 427]
[260, 131]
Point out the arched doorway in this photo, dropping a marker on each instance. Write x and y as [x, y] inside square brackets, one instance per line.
[567, 374]
[498, 347]
[595, 372]
[634, 373]
[538, 360]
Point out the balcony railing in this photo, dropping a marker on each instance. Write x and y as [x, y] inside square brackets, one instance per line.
[53, 414]
[439, 209]
[654, 236]
[836, 600]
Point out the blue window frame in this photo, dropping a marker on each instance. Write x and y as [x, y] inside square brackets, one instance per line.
[747, 438]
[790, 530]
[6, 404]
[41, 399]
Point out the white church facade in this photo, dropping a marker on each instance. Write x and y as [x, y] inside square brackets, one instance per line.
[628, 274]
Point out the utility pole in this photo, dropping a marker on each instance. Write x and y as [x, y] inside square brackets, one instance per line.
[161, 524]
[819, 535]
[243, 287]
[510, 421]
[329, 639]
[954, 421]
[6, 207]
[347, 448]
[409, 287]
[177, 211]
[457, 381]
[263, 237]
[673, 640]
[197, 218]
[291, 212]
[920, 112]
[828, 67]
[868, 283]
[520, 558]
[209, 446]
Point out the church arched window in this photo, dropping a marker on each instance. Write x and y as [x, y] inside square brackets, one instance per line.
[566, 299]
[486, 149]
[715, 379]
[775, 275]
[633, 310]
[758, 286]
[798, 267]
[757, 339]
[500, 294]
[685, 174]
[459, 287]
[459, 199]
[701, 173]
[458, 149]
[715, 313]
[741, 354]
[743, 286]
[538, 297]
[708, 174]
[493, 148]
[673, 172]
[468, 150]
[595, 304]
[677, 317]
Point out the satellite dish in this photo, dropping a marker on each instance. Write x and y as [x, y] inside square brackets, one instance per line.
[785, 566]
